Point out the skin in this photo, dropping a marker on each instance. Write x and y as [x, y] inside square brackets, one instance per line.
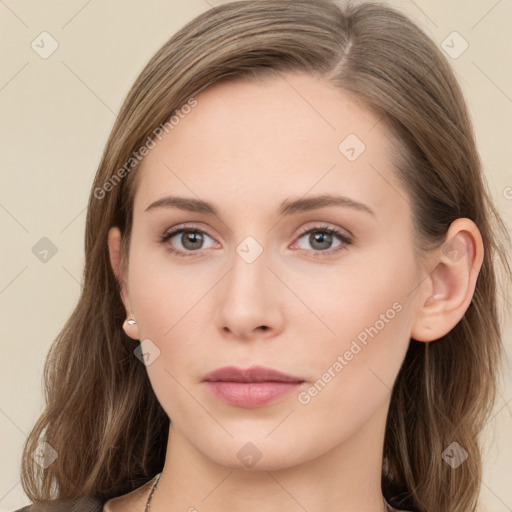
[246, 147]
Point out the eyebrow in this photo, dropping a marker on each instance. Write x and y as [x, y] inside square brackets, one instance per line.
[287, 207]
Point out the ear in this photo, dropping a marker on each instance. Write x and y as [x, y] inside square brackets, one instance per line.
[118, 266]
[448, 289]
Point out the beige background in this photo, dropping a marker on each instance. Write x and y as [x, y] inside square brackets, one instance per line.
[56, 114]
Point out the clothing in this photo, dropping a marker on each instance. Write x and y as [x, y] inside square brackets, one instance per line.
[86, 504]
[94, 505]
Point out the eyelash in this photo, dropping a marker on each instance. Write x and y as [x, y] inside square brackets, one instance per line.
[323, 229]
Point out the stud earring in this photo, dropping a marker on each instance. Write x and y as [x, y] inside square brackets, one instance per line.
[130, 320]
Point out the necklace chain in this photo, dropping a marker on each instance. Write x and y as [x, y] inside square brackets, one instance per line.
[157, 479]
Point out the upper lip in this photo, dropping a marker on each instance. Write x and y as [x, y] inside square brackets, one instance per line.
[252, 374]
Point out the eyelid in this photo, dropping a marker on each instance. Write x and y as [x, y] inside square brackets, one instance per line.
[319, 225]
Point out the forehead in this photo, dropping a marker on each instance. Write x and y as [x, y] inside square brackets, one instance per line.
[258, 141]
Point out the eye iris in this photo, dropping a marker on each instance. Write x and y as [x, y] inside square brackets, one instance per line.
[318, 236]
[193, 237]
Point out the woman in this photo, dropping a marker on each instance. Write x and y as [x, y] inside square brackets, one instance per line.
[289, 294]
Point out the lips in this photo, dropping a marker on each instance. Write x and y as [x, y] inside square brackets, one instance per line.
[253, 374]
[252, 387]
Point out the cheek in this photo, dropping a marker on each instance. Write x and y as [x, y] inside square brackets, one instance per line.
[353, 372]
[367, 319]
[163, 289]
[163, 298]
[168, 301]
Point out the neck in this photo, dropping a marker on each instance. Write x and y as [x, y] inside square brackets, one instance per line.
[346, 477]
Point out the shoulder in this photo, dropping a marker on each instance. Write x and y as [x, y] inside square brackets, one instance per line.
[85, 504]
[133, 501]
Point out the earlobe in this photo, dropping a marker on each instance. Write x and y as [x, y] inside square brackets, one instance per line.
[450, 285]
[130, 328]
[114, 247]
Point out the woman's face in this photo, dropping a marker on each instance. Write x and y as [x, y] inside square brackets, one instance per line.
[261, 282]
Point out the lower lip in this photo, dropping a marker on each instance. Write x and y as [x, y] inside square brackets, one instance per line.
[250, 394]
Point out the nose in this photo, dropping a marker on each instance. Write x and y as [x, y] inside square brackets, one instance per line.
[248, 299]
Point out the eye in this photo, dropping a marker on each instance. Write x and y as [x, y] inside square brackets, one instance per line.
[321, 238]
[190, 239]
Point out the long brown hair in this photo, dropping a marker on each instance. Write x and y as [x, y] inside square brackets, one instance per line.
[102, 417]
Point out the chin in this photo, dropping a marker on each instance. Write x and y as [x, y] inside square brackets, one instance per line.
[255, 454]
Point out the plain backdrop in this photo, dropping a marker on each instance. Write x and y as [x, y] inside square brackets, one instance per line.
[55, 116]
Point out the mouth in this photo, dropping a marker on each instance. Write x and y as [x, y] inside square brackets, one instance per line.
[251, 387]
